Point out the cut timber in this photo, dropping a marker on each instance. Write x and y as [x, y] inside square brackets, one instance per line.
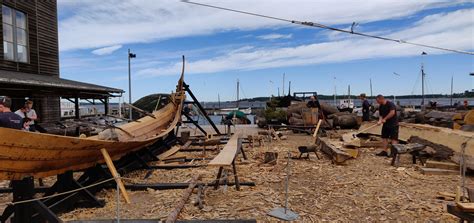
[175, 213]
[442, 165]
[435, 171]
[467, 207]
[173, 150]
[227, 154]
[448, 138]
[331, 148]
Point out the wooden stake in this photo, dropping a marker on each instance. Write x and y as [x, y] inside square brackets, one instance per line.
[115, 174]
[175, 213]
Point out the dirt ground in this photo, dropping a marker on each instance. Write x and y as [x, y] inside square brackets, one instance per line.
[366, 189]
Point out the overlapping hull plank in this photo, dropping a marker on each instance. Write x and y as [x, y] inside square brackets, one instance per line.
[39, 155]
[448, 138]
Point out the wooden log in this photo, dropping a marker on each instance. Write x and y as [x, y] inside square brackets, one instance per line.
[115, 174]
[175, 166]
[442, 165]
[175, 186]
[436, 171]
[329, 148]
[173, 215]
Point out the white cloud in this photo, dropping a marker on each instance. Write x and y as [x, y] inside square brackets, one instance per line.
[274, 36]
[106, 50]
[450, 30]
[96, 24]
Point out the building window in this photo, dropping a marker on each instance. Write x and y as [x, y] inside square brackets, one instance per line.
[15, 35]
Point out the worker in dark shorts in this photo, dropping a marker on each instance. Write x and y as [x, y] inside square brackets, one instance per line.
[365, 108]
[8, 119]
[389, 121]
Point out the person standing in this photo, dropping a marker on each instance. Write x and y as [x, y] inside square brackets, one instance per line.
[313, 103]
[8, 119]
[389, 121]
[365, 108]
[29, 116]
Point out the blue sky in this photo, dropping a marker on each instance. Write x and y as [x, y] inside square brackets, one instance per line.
[221, 47]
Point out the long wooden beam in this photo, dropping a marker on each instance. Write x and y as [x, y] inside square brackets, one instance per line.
[175, 213]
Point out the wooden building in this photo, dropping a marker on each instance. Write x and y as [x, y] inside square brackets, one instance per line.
[29, 64]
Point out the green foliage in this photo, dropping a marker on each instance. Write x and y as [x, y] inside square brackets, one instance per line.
[272, 114]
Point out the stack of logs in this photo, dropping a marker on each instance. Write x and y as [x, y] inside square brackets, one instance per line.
[299, 114]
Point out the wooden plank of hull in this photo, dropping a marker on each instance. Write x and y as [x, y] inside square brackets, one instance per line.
[40, 155]
[452, 139]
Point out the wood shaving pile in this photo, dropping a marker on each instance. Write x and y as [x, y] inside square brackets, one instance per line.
[365, 189]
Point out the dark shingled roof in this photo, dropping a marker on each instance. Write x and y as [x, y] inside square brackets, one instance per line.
[51, 82]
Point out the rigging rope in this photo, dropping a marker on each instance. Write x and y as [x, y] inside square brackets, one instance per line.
[318, 25]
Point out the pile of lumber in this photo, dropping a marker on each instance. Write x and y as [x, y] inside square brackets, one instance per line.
[440, 168]
[456, 120]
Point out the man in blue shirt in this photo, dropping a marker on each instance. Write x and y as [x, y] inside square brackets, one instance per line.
[8, 119]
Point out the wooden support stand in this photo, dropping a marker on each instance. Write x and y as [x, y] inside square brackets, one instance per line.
[414, 149]
[115, 174]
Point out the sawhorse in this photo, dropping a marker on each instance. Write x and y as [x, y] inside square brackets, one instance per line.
[226, 158]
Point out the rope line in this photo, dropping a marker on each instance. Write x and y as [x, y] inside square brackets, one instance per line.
[318, 25]
[58, 194]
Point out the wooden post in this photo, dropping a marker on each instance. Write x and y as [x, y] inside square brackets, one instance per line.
[175, 213]
[115, 174]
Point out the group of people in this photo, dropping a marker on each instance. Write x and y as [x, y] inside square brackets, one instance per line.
[387, 118]
[22, 119]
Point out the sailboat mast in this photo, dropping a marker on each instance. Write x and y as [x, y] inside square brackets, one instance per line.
[335, 92]
[371, 95]
[452, 91]
[349, 92]
[422, 79]
[422, 85]
[283, 89]
[238, 83]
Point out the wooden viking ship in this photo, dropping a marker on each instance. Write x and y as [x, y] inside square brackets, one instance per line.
[24, 154]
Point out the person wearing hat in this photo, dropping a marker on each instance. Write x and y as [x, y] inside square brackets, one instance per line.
[29, 116]
[8, 119]
[365, 108]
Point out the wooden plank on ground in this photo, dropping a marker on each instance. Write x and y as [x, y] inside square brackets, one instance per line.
[442, 165]
[227, 154]
[332, 150]
[173, 150]
[436, 171]
[467, 207]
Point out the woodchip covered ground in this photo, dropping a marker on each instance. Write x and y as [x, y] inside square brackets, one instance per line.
[367, 189]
